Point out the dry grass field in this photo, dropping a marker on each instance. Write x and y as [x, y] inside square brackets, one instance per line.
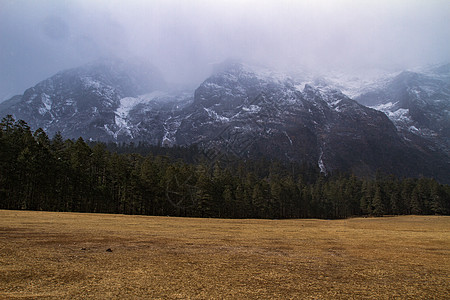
[46, 255]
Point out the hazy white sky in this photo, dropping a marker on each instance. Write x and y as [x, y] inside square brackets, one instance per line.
[184, 38]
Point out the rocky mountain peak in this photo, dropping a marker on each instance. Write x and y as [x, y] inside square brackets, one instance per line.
[252, 112]
[81, 101]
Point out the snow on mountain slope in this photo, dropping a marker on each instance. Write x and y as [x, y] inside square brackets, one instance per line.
[161, 106]
[417, 103]
[252, 112]
[82, 101]
[129, 103]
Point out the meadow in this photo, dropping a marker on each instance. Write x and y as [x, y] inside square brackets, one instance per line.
[50, 255]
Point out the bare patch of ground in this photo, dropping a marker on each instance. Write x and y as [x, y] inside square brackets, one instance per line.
[45, 255]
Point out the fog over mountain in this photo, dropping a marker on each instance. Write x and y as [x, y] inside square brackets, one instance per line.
[184, 39]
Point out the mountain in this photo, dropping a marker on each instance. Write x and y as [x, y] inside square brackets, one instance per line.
[242, 110]
[417, 102]
[252, 112]
[82, 101]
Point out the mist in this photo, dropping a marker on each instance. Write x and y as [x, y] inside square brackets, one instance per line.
[185, 39]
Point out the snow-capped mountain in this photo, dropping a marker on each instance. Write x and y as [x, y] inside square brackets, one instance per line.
[418, 103]
[91, 101]
[253, 112]
[241, 109]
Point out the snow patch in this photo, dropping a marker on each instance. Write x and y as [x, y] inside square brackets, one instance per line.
[289, 138]
[251, 108]
[99, 88]
[128, 103]
[109, 131]
[358, 83]
[334, 103]
[212, 114]
[401, 114]
[212, 85]
[299, 87]
[32, 97]
[90, 83]
[42, 111]
[322, 167]
[384, 107]
[170, 130]
[47, 102]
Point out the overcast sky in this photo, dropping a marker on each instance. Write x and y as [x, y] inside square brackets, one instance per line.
[185, 38]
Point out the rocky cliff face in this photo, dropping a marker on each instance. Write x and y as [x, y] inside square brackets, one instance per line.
[83, 101]
[415, 102]
[252, 112]
[418, 103]
[255, 112]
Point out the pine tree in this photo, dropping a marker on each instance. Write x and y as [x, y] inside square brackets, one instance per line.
[275, 196]
[150, 179]
[437, 204]
[378, 208]
[241, 208]
[416, 202]
[229, 201]
[258, 202]
[394, 203]
[203, 196]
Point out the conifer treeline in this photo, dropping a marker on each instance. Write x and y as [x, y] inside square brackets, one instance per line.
[38, 173]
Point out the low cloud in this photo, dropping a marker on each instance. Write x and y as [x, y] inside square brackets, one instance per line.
[185, 38]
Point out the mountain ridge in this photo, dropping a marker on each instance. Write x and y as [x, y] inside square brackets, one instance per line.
[247, 111]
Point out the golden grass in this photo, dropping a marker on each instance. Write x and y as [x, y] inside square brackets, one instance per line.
[63, 255]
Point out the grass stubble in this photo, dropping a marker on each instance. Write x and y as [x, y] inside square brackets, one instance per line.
[48, 255]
